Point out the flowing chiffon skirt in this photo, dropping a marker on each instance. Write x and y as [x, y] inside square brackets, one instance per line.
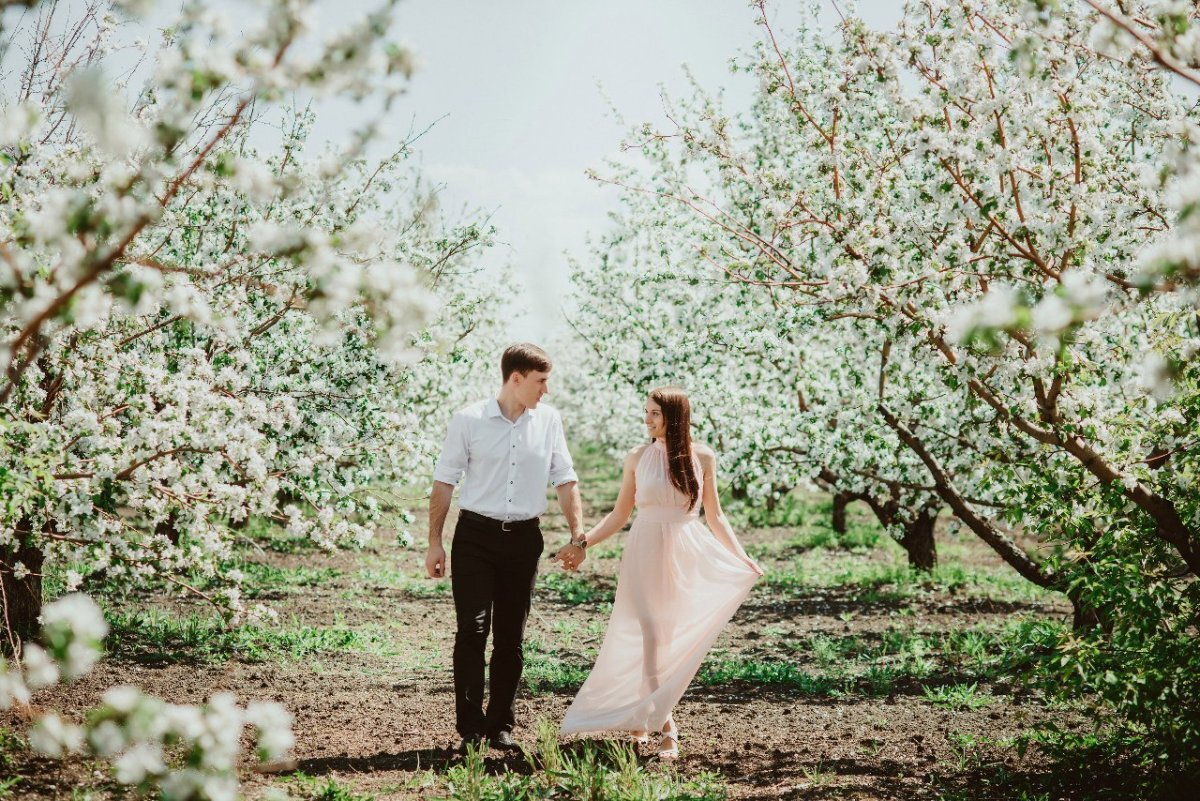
[677, 588]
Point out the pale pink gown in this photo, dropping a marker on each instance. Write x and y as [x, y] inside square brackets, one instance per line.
[677, 588]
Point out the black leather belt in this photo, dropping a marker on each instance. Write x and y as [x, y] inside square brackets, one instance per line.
[503, 525]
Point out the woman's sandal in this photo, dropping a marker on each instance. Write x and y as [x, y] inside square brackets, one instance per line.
[640, 737]
[668, 748]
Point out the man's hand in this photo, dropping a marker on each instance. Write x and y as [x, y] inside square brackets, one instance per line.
[435, 561]
[571, 556]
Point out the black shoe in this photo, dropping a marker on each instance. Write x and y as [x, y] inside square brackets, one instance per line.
[505, 741]
[476, 741]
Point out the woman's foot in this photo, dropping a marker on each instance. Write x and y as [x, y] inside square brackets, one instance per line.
[668, 748]
[640, 737]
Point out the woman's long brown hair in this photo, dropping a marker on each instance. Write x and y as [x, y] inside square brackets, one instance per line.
[677, 414]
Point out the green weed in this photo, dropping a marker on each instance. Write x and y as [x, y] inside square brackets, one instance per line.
[153, 635]
[587, 771]
[574, 589]
[266, 580]
[958, 696]
[546, 671]
[411, 583]
[10, 745]
[724, 671]
[313, 789]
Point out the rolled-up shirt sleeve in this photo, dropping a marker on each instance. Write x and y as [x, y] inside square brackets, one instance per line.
[453, 461]
[562, 469]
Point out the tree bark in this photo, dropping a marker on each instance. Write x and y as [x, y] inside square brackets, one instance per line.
[1084, 616]
[21, 600]
[840, 501]
[1008, 550]
[918, 541]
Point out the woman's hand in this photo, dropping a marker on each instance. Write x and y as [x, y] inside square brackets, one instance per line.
[754, 566]
[570, 556]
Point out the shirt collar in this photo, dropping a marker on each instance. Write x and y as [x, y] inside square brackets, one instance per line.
[493, 410]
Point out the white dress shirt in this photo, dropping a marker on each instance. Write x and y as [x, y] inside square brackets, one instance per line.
[507, 465]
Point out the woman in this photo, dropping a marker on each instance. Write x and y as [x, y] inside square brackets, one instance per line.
[678, 584]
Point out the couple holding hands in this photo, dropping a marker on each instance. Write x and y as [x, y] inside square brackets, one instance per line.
[679, 583]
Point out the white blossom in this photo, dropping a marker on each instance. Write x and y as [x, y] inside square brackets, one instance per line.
[40, 668]
[140, 761]
[54, 737]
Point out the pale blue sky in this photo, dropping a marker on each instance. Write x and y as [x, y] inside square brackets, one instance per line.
[516, 82]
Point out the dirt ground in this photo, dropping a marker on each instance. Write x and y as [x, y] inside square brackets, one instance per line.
[378, 722]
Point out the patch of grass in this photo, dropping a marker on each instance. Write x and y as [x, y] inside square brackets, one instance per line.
[11, 744]
[565, 631]
[1101, 764]
[152, 635]
[858, 537]
[958, 696]
[612, 548]
[332, 791]
[869, 665]
[817, 775]
[267, 580]
[548, 671]
[311, 788]
[411, 583]
[876, 583]
[575, 589]
[727, 670]
[591, 770]
[7, 785]
[979, 653]
[792, 510]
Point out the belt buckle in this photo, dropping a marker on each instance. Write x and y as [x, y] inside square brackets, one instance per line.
[504, 525]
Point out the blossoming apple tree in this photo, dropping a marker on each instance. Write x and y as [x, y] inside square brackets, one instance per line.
[969, 207]
[201, 323]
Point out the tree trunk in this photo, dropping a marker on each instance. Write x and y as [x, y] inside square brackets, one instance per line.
[1030, 567]
[840, 501]
[20, 601]
[918, 541]
[1084, 616]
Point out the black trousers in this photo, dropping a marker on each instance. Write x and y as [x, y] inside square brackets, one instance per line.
[492, 574]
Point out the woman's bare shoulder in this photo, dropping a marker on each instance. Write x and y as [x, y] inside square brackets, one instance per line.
[636, 452]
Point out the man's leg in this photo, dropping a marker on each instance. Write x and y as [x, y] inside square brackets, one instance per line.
[514, 586]
[472, 579]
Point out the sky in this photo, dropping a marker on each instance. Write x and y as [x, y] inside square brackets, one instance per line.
[515, 90]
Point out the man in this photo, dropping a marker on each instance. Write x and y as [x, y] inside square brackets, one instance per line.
[508, 448]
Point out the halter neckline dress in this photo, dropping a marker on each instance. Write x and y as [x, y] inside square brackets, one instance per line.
[677, 588]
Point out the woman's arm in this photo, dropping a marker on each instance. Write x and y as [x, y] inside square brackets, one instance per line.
[716, 519]
[611, 523]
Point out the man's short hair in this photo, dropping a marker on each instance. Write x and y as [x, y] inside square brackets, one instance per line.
[522, 358]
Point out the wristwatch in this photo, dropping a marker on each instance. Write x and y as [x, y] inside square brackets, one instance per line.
[580, 543]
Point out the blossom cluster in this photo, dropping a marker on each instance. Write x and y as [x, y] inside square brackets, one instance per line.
[137, 733]
[200, 320]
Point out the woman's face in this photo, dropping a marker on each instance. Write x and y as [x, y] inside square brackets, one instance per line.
[656, 425]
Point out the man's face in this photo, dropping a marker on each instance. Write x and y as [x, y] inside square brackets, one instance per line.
[532, 386]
